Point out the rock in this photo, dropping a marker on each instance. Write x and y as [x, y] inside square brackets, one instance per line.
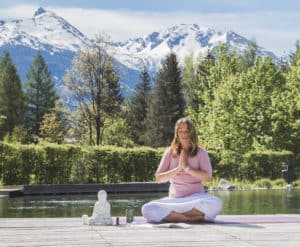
[289, 187]
[225, 185]
[213, 188]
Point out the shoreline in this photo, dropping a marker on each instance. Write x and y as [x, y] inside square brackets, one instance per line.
[130, 187]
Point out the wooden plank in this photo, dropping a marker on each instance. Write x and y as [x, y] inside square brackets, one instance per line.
[70, 232]
[47, 232]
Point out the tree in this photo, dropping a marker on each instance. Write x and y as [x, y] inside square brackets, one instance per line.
[40, 93]
[212, 73]
[242, 114]
[249, 56]
[295, 56]
[2, 120]
[19, 135]
[190, 83]
[138, 107]
[112, 97]
[80, 127]
[291, 109]
[12, 106]
[53, 128]
[95, 86]
[205, 85]
[117, 133]
[166, 104]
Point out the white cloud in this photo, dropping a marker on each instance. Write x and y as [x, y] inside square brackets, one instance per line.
[275, 31]
[17, 12]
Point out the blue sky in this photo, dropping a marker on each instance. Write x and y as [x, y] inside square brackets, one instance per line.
[274, 24]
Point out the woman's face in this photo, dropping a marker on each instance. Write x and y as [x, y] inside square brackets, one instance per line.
[184, 134]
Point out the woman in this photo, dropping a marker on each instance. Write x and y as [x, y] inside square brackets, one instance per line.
[186, 166]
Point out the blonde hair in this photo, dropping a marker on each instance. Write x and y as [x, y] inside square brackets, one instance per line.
[176, 146]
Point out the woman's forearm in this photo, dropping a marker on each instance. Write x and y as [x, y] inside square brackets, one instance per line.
[166, 176]
[199, 174]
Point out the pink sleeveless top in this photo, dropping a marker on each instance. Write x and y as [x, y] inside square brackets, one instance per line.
[184, 184]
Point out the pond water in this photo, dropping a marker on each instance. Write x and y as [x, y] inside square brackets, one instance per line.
[234, 202]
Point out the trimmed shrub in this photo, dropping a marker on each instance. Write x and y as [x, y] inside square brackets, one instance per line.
[279, 182]
[263, 183]
[229, 165]
[265, 164]
[296, 183]
[59, 164]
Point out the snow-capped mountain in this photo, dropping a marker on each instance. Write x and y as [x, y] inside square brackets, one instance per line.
[58, 41]
[45, 31]
[54, 37]
[184, 40]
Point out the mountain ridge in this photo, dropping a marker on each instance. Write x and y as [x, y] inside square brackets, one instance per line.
[58, 41]
[184, 40]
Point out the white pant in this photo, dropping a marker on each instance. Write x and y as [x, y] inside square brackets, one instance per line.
[155, 211]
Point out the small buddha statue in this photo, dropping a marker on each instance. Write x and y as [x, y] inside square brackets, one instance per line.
[101, 213]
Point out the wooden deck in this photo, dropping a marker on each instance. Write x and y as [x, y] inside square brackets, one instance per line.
[71, 232]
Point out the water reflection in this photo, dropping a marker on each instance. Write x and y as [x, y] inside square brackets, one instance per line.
[261, 202]
[234, 202]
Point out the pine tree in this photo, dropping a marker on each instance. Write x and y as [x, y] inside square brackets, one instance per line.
[138, 107]
[249, 56]
[166, 104]
[203, 91]
[295, 56]
[12, 106]
[112, 97]
[40, 93]
[195, 81]
[190, 83]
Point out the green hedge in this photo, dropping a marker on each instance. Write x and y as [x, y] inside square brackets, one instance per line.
[265, 164]
[227, 165]
[60, 164]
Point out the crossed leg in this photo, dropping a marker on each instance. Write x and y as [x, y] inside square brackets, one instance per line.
[191, 216]
[194, 215]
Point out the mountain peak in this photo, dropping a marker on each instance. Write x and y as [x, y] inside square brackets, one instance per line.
[39, 11]
[45, 31]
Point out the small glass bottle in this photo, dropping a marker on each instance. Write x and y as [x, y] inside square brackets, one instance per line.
[129, 215]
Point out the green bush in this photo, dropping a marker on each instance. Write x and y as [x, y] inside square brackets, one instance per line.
[263, 183]
[58, 164]
[55, 164]
[279, 182]
[265, 164]
[296, 183]
[10, 163]
[228, 166]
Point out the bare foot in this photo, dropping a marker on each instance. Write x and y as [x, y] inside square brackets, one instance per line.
[196, 219]
[175, 217]
[195, 216]
[193, 212]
